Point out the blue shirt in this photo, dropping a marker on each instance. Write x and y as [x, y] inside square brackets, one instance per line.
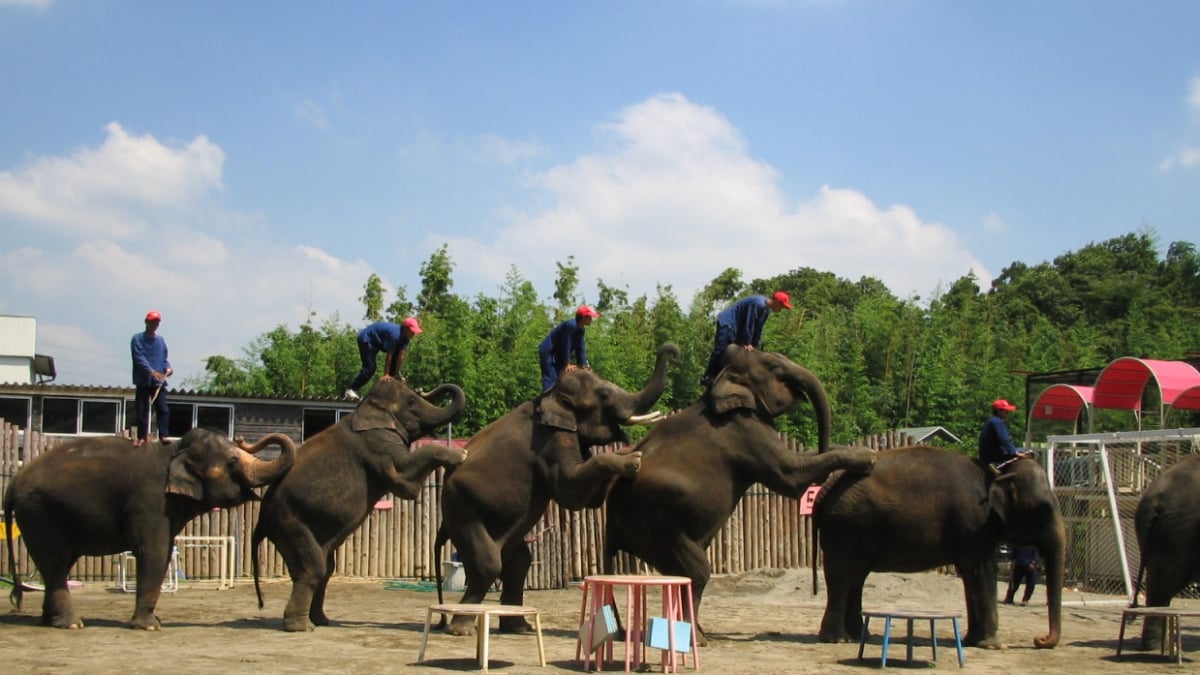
[746, 317]
[384, 336]
[566, 339]
[994, 443]
[149, 355]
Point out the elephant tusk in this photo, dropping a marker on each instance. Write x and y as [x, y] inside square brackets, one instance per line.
[647, 419]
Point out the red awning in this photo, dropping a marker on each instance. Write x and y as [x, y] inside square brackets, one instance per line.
[1121, 383]
[1062, 402]
[1188, 399]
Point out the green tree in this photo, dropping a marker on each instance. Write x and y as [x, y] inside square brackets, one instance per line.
[372, 298]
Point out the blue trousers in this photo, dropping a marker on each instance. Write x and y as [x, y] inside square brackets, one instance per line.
[141, 405]
[367, 354]
[723, 339]
[550, 369]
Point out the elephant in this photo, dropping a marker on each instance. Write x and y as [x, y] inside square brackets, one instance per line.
[339, 475]
[537, 452]
[102, 496]
[923, 507]
[1167, 522]
[698, 463]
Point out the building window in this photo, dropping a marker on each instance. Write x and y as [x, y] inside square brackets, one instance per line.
[317, 420]
[187, 416]
[15, 411]
[80, 416]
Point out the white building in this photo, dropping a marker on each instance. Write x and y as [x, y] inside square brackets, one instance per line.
[19, 364]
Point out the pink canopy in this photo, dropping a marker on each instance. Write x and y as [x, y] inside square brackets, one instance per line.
[1062, 402]
[1188, 399]
[1121, 383]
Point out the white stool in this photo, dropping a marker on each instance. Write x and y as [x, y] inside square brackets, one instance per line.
[483, 627]
[170, 581]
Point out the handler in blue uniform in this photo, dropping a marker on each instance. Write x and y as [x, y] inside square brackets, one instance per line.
[150, 372]
[387, 337]
[742, 324]
[564, 341]
[995, 446]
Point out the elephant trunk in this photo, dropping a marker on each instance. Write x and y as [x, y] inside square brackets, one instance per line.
[1054, 555]
[807, 382]
[260, 471]
[645, 399]
[441, 416]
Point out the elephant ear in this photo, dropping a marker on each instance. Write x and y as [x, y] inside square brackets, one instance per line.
[728, 394]
[1001, 496]
[555, 410]
[370, 415]
[181, 480]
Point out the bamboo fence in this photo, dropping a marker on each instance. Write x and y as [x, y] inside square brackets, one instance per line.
[397, 539]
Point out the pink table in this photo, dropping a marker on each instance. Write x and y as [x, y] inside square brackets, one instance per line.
[599, 590]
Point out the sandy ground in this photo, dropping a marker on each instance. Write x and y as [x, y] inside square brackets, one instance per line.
[760, 622]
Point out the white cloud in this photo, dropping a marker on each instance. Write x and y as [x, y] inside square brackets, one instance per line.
[994, 224]
[1189, 156]
[115, 190]
[676, 198]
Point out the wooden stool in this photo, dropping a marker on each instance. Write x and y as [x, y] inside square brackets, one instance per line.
[483, 626]
[910, 615]
[1171, 614]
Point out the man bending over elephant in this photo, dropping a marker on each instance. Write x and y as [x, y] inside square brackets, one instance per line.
[566, 340]
[742, 324]
[387, 337]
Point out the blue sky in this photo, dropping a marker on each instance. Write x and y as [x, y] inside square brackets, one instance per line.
[236, 165]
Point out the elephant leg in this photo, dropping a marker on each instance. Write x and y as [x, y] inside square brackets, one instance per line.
[481, 560]
[1164, 580]
[979, 586]
[514, 569]
[842, 621]
[306, 563]
[316, 611]
[680, 556]
[48, 551]
[412, 468]
[151, 568]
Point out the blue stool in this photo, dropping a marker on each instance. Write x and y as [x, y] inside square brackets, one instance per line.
[909, 615]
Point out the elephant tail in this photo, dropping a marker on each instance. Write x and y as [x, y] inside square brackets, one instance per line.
[255, 539]
[18, 592]
[443, 536]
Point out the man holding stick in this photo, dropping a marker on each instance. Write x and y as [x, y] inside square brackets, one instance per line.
[150, 372]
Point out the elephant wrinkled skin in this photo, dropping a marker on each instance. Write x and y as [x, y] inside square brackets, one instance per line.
[102, 496]
[698, 463]
[1167, 522]
[339, 475]
[537, 452]
[923, 507]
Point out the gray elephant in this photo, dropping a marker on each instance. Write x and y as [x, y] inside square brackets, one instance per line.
[1167, 522]
[537, 452]
[698, 463]
[339, 475]
[924, 507]
[102, 496]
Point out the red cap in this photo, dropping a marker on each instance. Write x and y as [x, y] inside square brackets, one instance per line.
[586, 310]
[1002, 404]
[411, 324]
[783, 299]
[153, 315]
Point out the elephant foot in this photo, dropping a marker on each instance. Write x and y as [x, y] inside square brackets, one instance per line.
[298, 624]
[461, 625]
[515, 624]
[833, 638]
[986, 643]
[68, 622]
[1149, 646]
[149, 622]
[318, 618]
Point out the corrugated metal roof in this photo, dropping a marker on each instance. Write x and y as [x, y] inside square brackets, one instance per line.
[127, 392]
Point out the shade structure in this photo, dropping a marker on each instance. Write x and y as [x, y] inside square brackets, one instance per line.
[1122, 382]
[1062, 402]
[1188, 399]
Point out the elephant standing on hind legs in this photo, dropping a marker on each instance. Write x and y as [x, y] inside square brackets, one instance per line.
[1167, 522]
[698, 463]
[924, 507]
[339, 475]
[537, 452]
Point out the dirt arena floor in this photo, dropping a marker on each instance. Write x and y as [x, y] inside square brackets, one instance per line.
[760, 622]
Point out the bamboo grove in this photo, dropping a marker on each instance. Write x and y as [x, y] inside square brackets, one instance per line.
[887, 362]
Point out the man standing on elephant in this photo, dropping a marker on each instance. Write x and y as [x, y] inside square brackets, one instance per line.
[742, 324]
[995, 446]
[150, 372]
[382, 336]
[565, 340]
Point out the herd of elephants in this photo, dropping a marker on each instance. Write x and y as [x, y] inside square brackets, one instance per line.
[902, 510]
